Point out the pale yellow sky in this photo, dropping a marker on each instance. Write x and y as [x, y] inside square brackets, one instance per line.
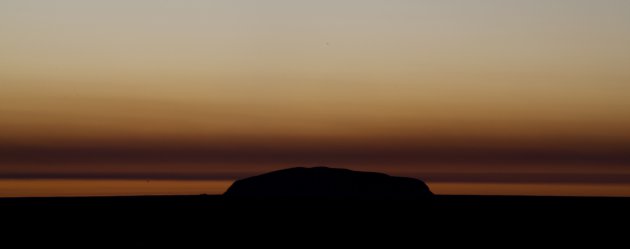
[77, 69]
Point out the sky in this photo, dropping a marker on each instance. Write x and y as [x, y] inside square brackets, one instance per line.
[459, 91]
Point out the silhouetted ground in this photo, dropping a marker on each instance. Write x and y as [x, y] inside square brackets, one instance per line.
[203, 219]
[213, 205]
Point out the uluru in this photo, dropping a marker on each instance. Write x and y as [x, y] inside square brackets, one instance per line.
[329, 183]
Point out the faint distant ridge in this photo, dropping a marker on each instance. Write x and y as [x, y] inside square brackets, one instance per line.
[329, 183]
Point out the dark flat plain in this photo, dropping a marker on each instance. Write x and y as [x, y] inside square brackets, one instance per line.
[203, 205]
[194, 220]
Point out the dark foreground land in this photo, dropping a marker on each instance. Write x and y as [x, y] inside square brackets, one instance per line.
[183, 221]
[219, 207]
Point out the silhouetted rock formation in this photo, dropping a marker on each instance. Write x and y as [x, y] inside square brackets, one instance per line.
[328, 183]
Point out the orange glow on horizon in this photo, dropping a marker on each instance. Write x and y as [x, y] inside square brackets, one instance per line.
[69, 188]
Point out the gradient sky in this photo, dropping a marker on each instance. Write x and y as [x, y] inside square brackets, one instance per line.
[499, 91]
